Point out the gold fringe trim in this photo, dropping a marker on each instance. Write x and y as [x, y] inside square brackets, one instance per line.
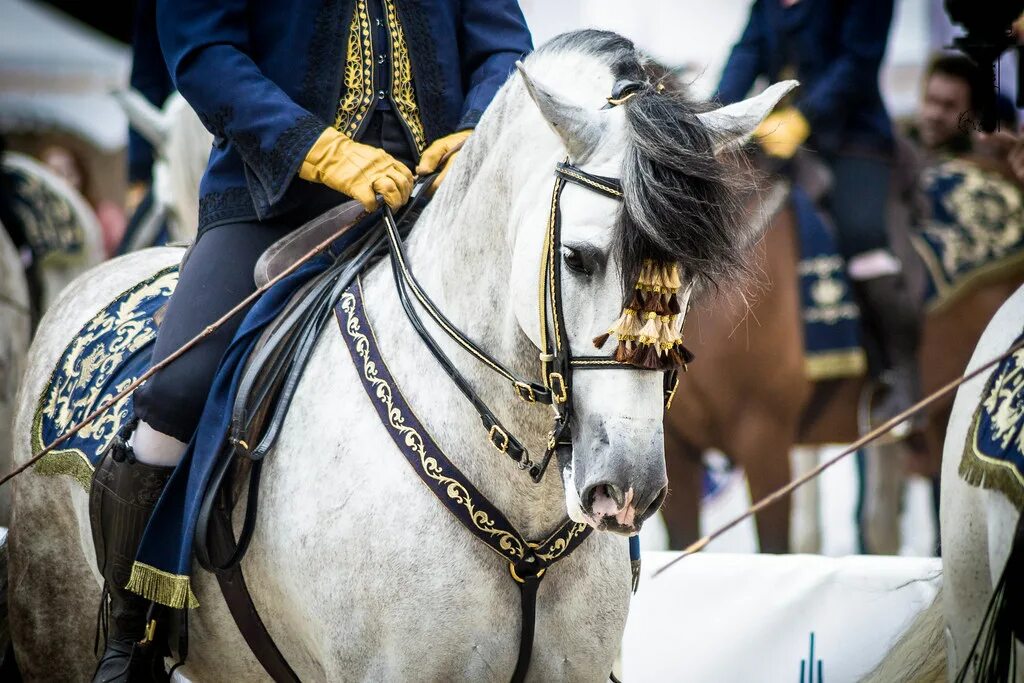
[982, 471]
[835, 364]
[170, 590]
[70, 462]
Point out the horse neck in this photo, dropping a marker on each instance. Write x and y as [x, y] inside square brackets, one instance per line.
[460, 253]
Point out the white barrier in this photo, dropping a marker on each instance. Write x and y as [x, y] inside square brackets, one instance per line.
[749, 618]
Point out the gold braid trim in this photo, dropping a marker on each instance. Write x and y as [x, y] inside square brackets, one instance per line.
[358, 73]
[170, 590]
[835, 364]
[403, 94]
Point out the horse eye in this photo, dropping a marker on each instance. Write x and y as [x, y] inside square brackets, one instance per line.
[574, 261]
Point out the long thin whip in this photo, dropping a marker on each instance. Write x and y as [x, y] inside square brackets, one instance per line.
[781, 493]
[207, 331]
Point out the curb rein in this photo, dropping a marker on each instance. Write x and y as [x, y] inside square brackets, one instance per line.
[556, 360]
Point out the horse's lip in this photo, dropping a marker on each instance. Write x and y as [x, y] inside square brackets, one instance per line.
[611, 525]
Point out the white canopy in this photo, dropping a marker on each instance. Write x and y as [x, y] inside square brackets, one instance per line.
[56, 73]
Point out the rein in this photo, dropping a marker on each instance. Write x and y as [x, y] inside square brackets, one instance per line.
[556, 359]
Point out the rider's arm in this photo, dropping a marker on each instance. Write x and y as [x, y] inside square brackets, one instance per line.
[149, 77]
[863, 36]
[746, 61]
[493, 35]
[204, 44]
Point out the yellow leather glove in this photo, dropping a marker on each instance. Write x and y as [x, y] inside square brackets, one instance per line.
[782, 133]
[357, 170]
[441, 151]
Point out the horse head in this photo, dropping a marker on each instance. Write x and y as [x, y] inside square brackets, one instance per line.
[613, 116]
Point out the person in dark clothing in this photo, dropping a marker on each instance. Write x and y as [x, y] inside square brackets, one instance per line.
[310, 102]
[835, 49]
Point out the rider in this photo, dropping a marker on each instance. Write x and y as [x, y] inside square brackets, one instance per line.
[835, 49]
[309, 103]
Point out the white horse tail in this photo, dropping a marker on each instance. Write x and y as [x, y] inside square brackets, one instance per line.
[144, 117]
[919, 656]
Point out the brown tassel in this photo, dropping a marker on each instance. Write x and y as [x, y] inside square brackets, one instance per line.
[625, 351]
[600, 339]
[647, 356]
[637, 302]
[673, 305]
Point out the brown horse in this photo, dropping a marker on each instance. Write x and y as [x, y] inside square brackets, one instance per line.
[748, 396]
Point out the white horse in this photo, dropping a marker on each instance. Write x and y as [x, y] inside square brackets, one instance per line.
[358, 571]
[49, 205]
[181, 150]
[15, 334]
[977, 529]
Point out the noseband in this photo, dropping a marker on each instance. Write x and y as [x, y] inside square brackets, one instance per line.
[556, 360]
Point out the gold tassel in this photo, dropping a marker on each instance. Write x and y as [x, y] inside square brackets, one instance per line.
[649, 329]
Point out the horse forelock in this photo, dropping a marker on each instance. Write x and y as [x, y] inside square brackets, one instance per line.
[681, 203]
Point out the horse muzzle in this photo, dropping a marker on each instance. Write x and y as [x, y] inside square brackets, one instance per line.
[619, 486]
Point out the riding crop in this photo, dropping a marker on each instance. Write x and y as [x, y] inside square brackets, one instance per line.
[874, 434]
[207, 331]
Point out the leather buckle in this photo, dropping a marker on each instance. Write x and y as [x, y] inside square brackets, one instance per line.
[494, 433]
[525, 392]
[561, 393]
[671, 393]
[149, 633]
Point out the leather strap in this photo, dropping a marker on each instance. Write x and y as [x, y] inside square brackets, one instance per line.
[243, 611]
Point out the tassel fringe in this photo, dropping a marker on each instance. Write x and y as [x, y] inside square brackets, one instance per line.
[649, 331]
[170, 590]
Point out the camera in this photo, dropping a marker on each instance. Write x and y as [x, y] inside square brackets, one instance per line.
[988, 35]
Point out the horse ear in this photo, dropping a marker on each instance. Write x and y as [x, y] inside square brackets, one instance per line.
[737, 122]
[143, 116]
[580, 129]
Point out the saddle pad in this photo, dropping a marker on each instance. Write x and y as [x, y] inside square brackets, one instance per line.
[51, 219]
[832, 331]
[975, 230]
[107, 354]
[994, 453]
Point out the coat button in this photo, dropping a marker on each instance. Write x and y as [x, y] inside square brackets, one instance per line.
[380, 94]
[380, 59]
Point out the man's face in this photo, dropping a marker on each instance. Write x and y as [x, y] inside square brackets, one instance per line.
[946, 106]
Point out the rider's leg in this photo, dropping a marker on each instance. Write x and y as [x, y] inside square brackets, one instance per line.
[859, 208]
[132, 474]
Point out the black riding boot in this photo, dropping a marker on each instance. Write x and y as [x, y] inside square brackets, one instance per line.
[123, 495]
[894, 316]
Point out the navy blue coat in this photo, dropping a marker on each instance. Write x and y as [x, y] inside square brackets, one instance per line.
[266, 76]
[150, 78]
[836, 49]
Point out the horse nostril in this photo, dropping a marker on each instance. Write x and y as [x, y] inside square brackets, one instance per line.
[643, 513]
[603, 492]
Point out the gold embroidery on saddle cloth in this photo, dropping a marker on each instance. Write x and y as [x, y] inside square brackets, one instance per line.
[403, 94]
[1003, 405]
[170, 590]
[63, 401]
[358, 73]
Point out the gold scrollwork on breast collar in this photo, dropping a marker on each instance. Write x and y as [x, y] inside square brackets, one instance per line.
[414, 441]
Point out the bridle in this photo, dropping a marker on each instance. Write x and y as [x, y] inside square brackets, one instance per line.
[556, 360]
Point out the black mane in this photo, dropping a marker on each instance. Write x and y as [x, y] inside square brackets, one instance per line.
[681, 203]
